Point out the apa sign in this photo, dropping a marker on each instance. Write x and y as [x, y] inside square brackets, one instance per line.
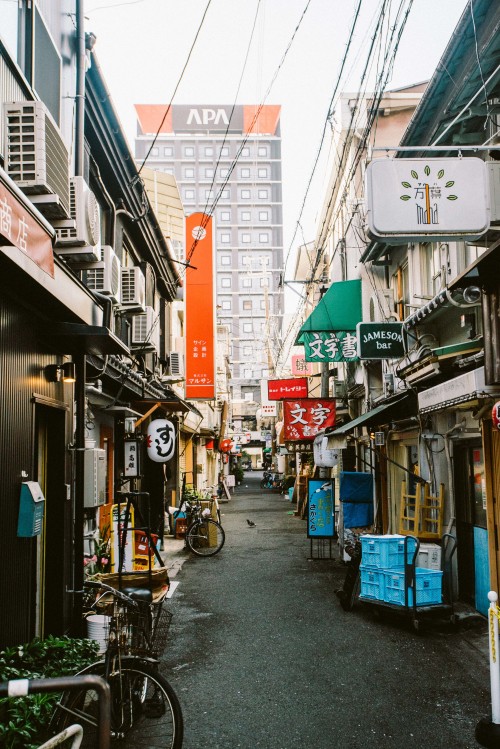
[381, 340]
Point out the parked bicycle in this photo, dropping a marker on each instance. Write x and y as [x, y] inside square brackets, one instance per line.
[144, 707]
[19, 688]
[205, 536]
[272, 481]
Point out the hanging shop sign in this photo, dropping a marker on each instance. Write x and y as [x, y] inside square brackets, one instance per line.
[320, 508]
[323, 456]
[226, 445]
[161, 440]
[300, 366]
[495, 415]
[200, 309]
[380, 340]
[295, 387]
[269, 409]
[330, 347]
[299, 447]
[417, 199]
[305, 417]
[132, 458]
[466, 387]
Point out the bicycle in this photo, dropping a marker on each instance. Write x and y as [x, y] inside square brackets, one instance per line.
[144, 707]
[16, 688]
[273, 481]
[205, 536]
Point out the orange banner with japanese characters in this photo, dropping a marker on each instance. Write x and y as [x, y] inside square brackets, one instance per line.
[200, 308]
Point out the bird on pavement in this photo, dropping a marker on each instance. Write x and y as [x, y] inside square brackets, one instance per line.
[251, 523]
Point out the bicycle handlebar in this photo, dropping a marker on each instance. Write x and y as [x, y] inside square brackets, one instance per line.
[109, 589]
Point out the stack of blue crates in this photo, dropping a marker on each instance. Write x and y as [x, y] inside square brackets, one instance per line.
[383, 573]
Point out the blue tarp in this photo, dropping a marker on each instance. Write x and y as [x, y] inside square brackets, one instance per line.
[356, 495]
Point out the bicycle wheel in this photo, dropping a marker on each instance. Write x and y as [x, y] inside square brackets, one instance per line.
[145, 710]
[205, 537]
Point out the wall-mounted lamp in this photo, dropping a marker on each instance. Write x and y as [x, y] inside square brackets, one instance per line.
[61, 372]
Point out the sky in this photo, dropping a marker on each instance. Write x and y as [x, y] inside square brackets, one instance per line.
[143, 46]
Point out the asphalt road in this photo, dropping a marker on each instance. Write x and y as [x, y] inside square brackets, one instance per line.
[262, 655]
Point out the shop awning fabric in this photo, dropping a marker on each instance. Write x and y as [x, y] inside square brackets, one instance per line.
[338, 309]
[402, 407]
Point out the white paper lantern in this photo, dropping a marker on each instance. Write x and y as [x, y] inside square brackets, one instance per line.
[161, 440]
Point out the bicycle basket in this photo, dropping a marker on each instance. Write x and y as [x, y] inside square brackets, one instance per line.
[162, 618]
[131, 635]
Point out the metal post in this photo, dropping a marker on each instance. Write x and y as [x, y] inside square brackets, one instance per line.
[488, 731]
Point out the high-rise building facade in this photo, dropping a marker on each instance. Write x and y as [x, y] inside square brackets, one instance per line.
[227, 163]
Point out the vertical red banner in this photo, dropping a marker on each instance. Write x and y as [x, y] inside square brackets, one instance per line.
[200, 309]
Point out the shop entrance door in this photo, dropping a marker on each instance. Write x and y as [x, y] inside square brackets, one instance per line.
[472, 536]
[53, 541]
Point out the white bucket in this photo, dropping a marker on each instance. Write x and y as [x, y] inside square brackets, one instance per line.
[97, 629]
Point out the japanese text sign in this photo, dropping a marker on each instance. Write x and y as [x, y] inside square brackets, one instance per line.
[200, 309]
[19, 228]
[327, 347]
[131, 463]
[320, 508]
[161, 440]
[380, 340]
[417, 199]
[304, 418]
[300, 366]
[280, 389]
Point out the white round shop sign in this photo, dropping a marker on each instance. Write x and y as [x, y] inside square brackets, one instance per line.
[199, 233]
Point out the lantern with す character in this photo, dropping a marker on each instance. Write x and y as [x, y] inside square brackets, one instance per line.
[495, 415]
[161, 440]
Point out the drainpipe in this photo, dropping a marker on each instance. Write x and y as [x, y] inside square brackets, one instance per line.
[451, 481]
[80, 360]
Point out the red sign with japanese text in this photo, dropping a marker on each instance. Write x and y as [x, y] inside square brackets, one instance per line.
[19, 228]
[200, 309]
[278, 390]
[305, 417]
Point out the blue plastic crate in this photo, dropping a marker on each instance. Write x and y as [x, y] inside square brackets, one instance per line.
[386, 552]
[428, 583]
[372, 583]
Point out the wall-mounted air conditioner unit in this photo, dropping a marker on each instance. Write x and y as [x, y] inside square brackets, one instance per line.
[104, 276]
[176, 364]
[145, 334]
[36, 157]
[81, 243]
[133, 287]
[339, 389]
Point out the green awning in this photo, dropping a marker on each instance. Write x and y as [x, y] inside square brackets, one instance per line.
[403, 406]
[338, 309]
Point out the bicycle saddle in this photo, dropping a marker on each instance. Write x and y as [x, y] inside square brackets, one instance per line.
[139, 594]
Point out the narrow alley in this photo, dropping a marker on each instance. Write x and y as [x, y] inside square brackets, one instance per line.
[262, 655]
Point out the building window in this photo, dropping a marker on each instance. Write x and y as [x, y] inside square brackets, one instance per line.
[262, 173]
[263, 304]
[264, 282]
[188, 194]
[263, 215]
[247, 304]
[246, 238]
[189, 151]
[209, 173]
[262, 151]
[188, 173]
[246, 283]
[263, 194]
[225, 282]
[168, 151]
[431, 270]
[225, 195]
[245, 194]
[209, 194]
[244, 173]
[226, 304]
[225, 237]
[246, 260]
[225, 259]
[245, 216]
[264, 259]
[223, 173]
[400, 283]
[155, 151]
[225, 216]
[224, 151]
[247, 327]
[247, 374]
[247, 351]
[169, 170]
[263, 238]
[245, 151]
[209, 151]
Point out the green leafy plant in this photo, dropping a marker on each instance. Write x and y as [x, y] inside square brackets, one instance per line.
[23, 720]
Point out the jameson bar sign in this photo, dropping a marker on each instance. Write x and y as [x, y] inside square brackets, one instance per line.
[380, 340]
